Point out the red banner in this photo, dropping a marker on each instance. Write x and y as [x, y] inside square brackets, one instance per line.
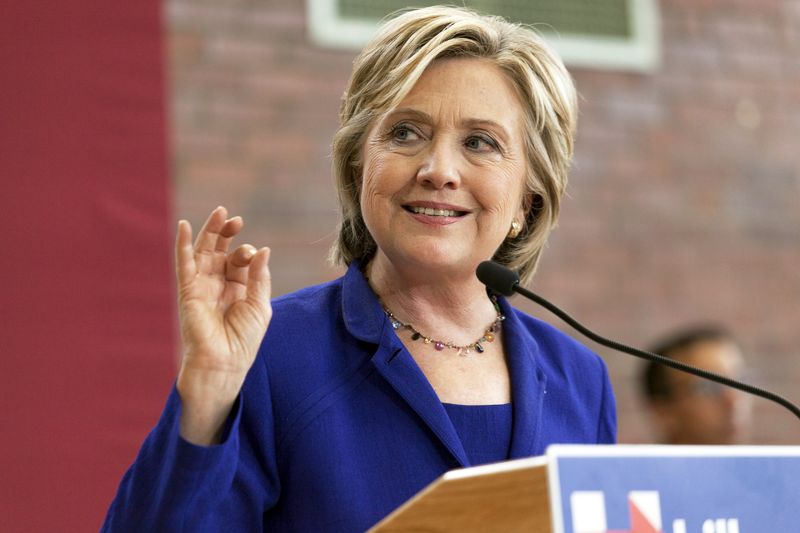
[87, 314]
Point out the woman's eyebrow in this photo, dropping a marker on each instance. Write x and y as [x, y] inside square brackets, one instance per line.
[487, 123]
[422, 116]
[411, 113]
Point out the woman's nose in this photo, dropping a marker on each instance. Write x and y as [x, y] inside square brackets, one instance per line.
[439, 167]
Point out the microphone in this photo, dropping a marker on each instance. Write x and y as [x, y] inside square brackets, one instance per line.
[505, 281]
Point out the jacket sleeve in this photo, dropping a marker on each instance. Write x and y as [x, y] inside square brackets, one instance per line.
[176, 486]
[607, 425]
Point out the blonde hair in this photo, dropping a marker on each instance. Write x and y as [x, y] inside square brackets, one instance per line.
[389, 67]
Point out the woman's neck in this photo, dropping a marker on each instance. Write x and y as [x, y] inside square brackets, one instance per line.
[447, 307]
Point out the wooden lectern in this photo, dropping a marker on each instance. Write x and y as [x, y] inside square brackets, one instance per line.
[502, 497]
[600, 489]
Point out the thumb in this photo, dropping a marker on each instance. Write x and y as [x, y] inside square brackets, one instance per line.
[259, 283]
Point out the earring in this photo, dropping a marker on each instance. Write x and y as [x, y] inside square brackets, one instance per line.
[514, 231]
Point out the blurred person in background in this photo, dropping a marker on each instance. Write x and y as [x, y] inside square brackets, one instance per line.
[686, 409]
[327, 408]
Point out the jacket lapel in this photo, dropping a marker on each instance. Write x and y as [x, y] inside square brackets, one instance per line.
[400, 370]
[366, 320]
[528, 384]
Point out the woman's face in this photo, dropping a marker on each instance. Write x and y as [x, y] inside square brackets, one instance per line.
[444, 172]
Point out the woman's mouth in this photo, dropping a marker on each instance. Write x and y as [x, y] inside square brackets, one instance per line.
[434, 212]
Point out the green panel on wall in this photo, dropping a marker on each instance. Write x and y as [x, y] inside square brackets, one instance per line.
[597, 18]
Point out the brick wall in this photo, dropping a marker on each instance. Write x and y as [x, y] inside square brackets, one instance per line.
[684, 201]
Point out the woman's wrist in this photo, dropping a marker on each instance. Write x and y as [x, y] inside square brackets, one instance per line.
[206, 403]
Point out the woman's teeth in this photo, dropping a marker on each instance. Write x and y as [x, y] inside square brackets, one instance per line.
[433, 212]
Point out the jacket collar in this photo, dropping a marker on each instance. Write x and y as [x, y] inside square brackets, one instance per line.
[363, 316]
[365, 320]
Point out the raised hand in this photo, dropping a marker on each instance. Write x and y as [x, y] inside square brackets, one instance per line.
[224, 308]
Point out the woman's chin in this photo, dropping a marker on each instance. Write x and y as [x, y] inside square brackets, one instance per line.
[436, 259]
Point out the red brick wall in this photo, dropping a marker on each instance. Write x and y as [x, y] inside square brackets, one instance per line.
[684, 201]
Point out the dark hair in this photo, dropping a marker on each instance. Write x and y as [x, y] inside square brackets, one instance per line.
[654, 383]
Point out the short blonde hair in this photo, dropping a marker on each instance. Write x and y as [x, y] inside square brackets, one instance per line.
[389, 67]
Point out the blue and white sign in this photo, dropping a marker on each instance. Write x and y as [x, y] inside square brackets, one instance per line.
[675, 489]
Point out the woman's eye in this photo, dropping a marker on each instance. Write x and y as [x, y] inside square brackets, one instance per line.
[403, 133]
[480, 144]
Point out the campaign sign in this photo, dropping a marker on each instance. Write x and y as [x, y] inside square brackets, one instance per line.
[675, 489]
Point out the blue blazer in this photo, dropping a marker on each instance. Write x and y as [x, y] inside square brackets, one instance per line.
[336, 425]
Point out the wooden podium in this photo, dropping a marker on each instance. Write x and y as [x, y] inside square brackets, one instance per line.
[503, 497]
[586, 489]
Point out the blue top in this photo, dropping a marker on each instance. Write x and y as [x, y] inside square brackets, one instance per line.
[336, 425]
[484, 430]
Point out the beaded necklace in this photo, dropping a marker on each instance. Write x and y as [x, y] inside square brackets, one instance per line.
[488, 336]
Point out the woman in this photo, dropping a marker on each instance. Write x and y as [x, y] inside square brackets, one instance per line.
[454, 148]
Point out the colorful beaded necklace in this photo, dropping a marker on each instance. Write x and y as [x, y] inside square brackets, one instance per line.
[488, 336]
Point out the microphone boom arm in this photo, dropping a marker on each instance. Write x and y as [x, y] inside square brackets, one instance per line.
[506, 282]
[655, 357]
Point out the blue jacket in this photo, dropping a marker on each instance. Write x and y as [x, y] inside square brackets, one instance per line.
[336, 424]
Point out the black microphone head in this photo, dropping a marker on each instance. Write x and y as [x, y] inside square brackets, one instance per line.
[500, 279]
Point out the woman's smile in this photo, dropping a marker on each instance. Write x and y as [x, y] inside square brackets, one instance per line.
[435, 213]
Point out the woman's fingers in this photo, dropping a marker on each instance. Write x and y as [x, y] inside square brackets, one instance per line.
[214, 239]
[229, 230]
[259, 283]
[238, 264]
[245, 271]
[208, 235]
[185, 266]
